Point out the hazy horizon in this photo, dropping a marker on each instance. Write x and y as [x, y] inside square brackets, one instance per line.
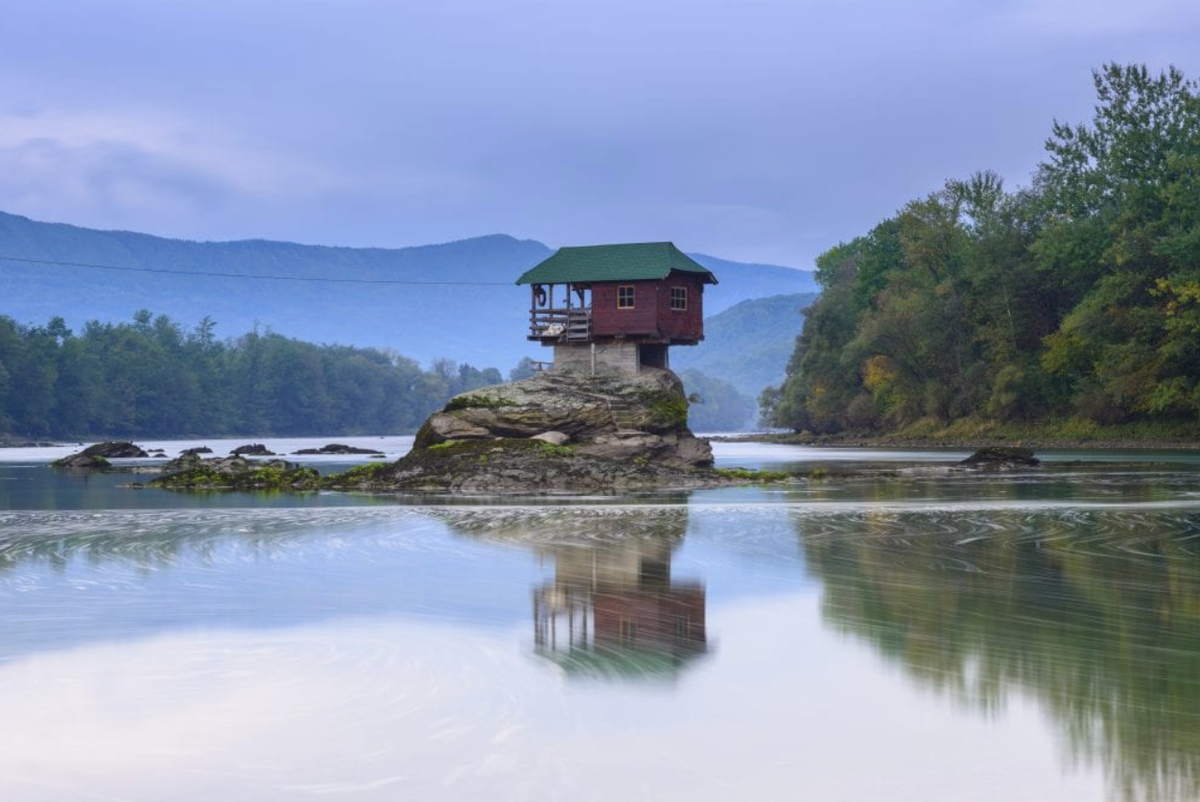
[763, 131]
[316, 244]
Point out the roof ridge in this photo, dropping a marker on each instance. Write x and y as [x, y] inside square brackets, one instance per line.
[618, 261]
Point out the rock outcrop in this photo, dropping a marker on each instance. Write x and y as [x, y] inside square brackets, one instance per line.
[1001, 457]
[252, 450]
[96, 457]
[114, 449]
[82, 462]
[563, 432]
[559, 431]
[192, 472]
[336, 448]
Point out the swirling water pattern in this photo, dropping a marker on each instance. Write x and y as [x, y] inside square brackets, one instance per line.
[906, 632]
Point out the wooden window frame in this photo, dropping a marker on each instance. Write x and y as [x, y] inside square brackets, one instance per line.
[632, 296]
[683, 294]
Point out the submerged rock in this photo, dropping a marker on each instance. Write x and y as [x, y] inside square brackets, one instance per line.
[336, 448]
[1002, 457]
[252, 450]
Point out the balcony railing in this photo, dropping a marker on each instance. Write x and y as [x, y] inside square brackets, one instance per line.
[561, 325]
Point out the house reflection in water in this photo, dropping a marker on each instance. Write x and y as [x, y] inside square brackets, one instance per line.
[612, 610]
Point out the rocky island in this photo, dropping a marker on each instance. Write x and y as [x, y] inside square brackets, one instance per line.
[559, 431]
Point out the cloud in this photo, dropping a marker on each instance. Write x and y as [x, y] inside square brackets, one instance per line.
[109, 170]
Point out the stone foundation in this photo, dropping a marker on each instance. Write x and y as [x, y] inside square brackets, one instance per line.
[612, 356]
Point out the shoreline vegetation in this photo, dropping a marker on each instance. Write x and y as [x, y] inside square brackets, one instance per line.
[972, 433]
[151, 377]
[1062, 313]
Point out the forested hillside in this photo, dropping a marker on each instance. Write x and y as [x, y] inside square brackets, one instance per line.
[479, 316]
[150, 377]
[749, 343]
[1075, 301]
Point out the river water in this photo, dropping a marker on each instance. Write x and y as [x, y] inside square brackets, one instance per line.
[907, 633]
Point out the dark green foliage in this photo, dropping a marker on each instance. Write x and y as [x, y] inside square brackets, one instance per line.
[1078, 297]
[151, 378]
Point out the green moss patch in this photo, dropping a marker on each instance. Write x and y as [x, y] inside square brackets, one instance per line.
[266, 478]
[373, 473]
[748, 475]
[475, 402]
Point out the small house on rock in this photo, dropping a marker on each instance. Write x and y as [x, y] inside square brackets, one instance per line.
[616, 308]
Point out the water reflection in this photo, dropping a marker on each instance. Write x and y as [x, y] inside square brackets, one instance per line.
[1095, 614]
[617, 613]
[613, 608]
[434, 640]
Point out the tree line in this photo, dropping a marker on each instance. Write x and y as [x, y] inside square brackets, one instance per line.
[1077, 297]
[150, 377]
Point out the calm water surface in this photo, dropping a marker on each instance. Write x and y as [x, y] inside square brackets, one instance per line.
[911, 633]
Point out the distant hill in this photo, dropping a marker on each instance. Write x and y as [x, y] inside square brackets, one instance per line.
[748, 344]
[483, 325]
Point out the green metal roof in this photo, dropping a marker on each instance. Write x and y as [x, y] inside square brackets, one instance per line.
[630, 262]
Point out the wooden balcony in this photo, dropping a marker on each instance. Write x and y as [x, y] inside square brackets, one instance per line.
[564, 325]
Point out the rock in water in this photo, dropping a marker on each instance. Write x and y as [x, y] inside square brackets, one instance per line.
[337, 448]
[96, 457]
[625, 432]
[196, 450]
[252, 450]
[1002, 457]
[114, 449]
[82, 462]
[191, 472]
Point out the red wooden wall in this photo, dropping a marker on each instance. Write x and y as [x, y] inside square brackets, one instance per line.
[666, 619]
[652, 315]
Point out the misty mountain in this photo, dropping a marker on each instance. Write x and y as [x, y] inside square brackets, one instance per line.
[749, 343]
[483, 322]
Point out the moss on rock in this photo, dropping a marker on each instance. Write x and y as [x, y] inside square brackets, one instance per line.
[267, 477]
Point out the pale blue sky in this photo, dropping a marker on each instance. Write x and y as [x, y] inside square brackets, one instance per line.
[754, 130]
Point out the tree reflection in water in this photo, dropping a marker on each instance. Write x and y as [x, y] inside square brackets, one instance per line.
[1094, 613]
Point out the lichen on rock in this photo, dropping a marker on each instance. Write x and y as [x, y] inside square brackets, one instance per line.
[562, 430]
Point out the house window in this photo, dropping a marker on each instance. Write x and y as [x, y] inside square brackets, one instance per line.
[679, 298]
[625, 296]
[628, 631]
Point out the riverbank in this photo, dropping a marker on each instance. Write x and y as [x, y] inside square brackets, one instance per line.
[970, 434]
